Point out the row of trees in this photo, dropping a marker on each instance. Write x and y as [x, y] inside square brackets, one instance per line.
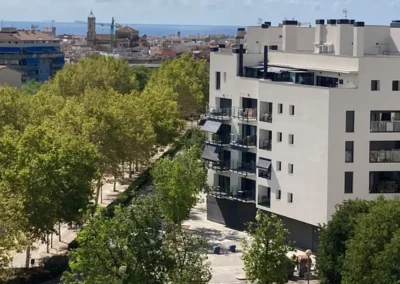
[58, 140]
[361, 244]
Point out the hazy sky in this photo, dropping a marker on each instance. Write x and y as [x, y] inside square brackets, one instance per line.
[204, 12]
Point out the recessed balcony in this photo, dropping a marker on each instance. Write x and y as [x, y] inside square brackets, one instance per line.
[247, 114]
[219, 139]
[264, 196]
[243, 168]
[244, 141]
[219, 113]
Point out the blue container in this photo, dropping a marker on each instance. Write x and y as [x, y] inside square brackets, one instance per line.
[217, 249]
[232, 248]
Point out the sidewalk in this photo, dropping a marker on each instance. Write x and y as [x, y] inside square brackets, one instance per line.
[69, 234]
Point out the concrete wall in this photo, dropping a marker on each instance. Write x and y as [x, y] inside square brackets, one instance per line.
[10, 77]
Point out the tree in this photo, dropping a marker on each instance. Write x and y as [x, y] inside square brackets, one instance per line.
[14, 109]
[188, 80]
[372, 254]
[97, 72]
[177, 183]
[142, 74]
[265, 253]
[333, 238]
[30, 87]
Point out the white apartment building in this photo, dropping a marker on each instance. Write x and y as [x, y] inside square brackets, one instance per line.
[300, 119]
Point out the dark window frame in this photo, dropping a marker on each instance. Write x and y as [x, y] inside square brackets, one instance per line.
[349, 147]
[280, 108]
[291, 110]
[279, 136]
[348, 182]
[291, 139]
[290, 169]
[218, 80]
[395, 85]
[350, 121]
[388, 182]
[278, 166]
[290, 197]
[375, 85]
[278, 194]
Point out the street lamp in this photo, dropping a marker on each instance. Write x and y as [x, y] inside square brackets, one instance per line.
[308, 253]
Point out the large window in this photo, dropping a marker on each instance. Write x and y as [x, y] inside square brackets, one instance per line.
[384, 151]
[385, 121]
[350, 121]
[349, 152]
[218, 80]
[329, 82]
[384, 182]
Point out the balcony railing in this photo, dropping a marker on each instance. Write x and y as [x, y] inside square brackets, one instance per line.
[36, 55]
[385, 126]
[247, 114]
[219, 166]
[264, 174]
[219, 113]
[264, 201]
[265, 144]
[240, 194]
[266, 117]
[244, 168]
[246, 141]
[389, 156]
[220, 139]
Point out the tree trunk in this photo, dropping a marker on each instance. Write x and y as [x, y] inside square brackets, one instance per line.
[123, 169]
[28, 256]
[51, 240]
[59, 232]
[115, 182]
[98, 186]
[101, 195]
[130, 169]
[137, 166]
[47, 244]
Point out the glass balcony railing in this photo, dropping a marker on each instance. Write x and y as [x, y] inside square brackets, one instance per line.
[219, 113]
[384, 156]
[244, 168]
[264, 200]
[220, 139]
[219, 166]
[246, 141]
[385, 126]
[265, 144]
[240, 194]
[266, 117]
[247, 114]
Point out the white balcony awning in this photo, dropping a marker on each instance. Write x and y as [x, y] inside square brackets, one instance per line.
[211, 126]
[263, 164]
[211, 153]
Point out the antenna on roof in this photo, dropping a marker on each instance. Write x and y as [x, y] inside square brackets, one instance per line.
[345, 12]
[260, 21]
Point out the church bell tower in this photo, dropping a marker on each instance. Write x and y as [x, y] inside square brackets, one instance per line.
[91, 31]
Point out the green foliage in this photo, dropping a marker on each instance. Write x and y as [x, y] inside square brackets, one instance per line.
[177, 183]
[187, 80]
[142, 74]
[333, 237]
[14, 110]
[372, 255]
[31, 87]
[265, 253]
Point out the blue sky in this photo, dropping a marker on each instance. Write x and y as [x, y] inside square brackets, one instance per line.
[200, 12]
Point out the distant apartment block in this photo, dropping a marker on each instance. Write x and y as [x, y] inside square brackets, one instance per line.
[9, 77]
[34, 54]
[300, 119]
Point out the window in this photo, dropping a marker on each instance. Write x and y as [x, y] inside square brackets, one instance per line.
[280, 108]
[291, 110]
[279, 137]
[384, 182]
[349, 152]
[350, 121]
[224, 77]
[290, 197]
[278, 166]
[395, 86]
[375, 85]
[278, 194]
[218, 80]
[348, 182]
[291, 139]
[290, 168]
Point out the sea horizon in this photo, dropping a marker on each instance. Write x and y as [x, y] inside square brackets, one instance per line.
[148, 29]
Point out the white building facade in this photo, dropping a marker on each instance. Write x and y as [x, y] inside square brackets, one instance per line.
[301, 119]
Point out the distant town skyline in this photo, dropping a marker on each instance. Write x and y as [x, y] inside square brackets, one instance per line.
[201, 12]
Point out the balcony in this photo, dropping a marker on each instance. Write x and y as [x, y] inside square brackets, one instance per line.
[247, 114]
[219, 139]
[264, 200]
[265, 144]
[219, 113]
[384, 182]
[388, 156]
[385, 126]
[240, 194]
[243, 168]
[36, 55]
[244, 141]
[219, 166]
[266, 117]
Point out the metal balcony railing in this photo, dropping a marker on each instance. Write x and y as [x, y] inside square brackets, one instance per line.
[244, 140]
[36, 55]
[220, 139]
[247, 114]
[244, 168]
[219, 113]
[265, 144]
[385, 126]
[240, 194]
[264, 200]
[264, 174]
[385, 156]
[266, 117]
[219, 166]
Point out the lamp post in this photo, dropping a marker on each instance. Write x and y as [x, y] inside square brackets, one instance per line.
[308, 253]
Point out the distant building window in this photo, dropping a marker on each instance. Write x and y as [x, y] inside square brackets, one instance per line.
[350, 121]
[218, 80]
[349, 152]
[395, 86]
[291, 139]
[291, 110]
[278, 194]
[290, 197]
[290, 168]
[375, 85]
[224, 77]
[348, 182]
[280, 108]
[279, 137]
[278, 166]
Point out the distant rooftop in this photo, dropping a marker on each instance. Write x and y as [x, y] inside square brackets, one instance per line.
[12, 34]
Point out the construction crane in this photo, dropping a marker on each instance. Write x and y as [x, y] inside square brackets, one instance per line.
[112, 26]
